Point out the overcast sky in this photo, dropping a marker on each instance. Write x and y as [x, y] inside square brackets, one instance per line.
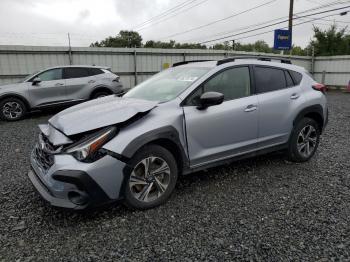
[47, 22]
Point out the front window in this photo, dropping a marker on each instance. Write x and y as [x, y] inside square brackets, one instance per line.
[168, 84]
[50, 75]
[233, 83]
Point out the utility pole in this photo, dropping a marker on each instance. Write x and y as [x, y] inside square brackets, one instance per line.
[70, 51]
[290, 23]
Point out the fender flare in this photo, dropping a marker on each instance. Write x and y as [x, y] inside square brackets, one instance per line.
[167, 132]
[307, 110]
[100, 87]
[18, 96]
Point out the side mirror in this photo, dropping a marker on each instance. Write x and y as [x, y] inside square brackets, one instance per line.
[36, 81]
[210, 99]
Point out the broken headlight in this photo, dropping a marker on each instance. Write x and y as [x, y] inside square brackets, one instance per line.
[88, 147]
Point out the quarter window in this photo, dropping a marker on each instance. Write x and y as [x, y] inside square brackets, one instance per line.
[269, 79]
[75, 72]
[296, 76]
[232, 83]
[95, 71]
[49, 75]
[289, 79]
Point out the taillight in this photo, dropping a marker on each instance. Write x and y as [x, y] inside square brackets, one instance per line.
[116, 79]
[319, 87]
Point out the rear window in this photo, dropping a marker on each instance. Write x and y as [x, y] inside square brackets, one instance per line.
[297, 77]
[75, 72]
[95, 71]
[269, 79]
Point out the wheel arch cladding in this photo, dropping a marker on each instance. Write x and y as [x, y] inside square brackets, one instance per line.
[25, 101]
[100, 89]
[167, 137]
[314, 112]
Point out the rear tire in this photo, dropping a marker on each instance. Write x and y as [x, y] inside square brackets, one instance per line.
[12, 109]
[304, 140]
[151, 178]
[100, 94]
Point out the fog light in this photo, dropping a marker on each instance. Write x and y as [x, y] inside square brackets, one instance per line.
[77, 198]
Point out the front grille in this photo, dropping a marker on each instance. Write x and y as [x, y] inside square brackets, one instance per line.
[43, 152]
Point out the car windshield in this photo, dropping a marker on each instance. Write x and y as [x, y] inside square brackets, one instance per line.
[167, 84]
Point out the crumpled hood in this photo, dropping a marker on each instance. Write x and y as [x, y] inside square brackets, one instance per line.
[99, 113]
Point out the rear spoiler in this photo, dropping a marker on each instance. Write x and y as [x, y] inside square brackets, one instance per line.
[103, 67]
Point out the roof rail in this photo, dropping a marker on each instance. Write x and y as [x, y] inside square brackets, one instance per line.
[189, 61]
[258, 57]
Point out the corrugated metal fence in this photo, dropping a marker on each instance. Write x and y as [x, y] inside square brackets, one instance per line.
[134, 65]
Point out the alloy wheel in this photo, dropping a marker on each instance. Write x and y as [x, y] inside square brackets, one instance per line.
[307, 141]
[12, 110]
[149, 179]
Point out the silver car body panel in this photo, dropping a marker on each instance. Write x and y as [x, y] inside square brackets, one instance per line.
[221, 131]
[99, 113]
[166, 116]
[54, 136]
[278, 105]
[99, 171]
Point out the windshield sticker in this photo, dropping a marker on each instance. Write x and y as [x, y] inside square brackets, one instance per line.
[187, 78]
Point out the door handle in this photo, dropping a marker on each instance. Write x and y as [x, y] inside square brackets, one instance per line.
[91, 81]
[58, 84]
[250, 108]
[294, 96]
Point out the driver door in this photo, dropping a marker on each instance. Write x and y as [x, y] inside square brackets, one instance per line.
[225, 130]
[50, 90]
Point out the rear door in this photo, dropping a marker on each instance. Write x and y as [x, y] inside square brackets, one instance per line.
[50, 90]
[279, 98]
[79, 82]
[224, 130]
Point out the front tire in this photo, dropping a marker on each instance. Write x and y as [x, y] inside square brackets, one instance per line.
[304, 140]
[151, 179]
[12, 109]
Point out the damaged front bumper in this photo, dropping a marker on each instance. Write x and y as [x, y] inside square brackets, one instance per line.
[69, 183]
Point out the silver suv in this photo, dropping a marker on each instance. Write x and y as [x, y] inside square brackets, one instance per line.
[56, 86]
[190, 117]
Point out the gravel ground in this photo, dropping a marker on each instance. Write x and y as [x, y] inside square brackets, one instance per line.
[259, 209]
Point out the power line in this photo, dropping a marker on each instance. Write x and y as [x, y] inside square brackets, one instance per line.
[277, 23]
[269, 31]
[335, 21]
[325, 4]
[173, 9]
[266, 22]
[219, 20]
[322, 19]
[167, 18]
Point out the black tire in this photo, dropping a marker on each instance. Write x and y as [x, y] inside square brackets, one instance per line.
[296, 155]
[156, 152]
[17, 113]
[100, 94]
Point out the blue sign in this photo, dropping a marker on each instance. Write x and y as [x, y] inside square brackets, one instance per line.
[283, 40]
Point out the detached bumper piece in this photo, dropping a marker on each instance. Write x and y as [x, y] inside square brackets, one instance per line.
[88, 195]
